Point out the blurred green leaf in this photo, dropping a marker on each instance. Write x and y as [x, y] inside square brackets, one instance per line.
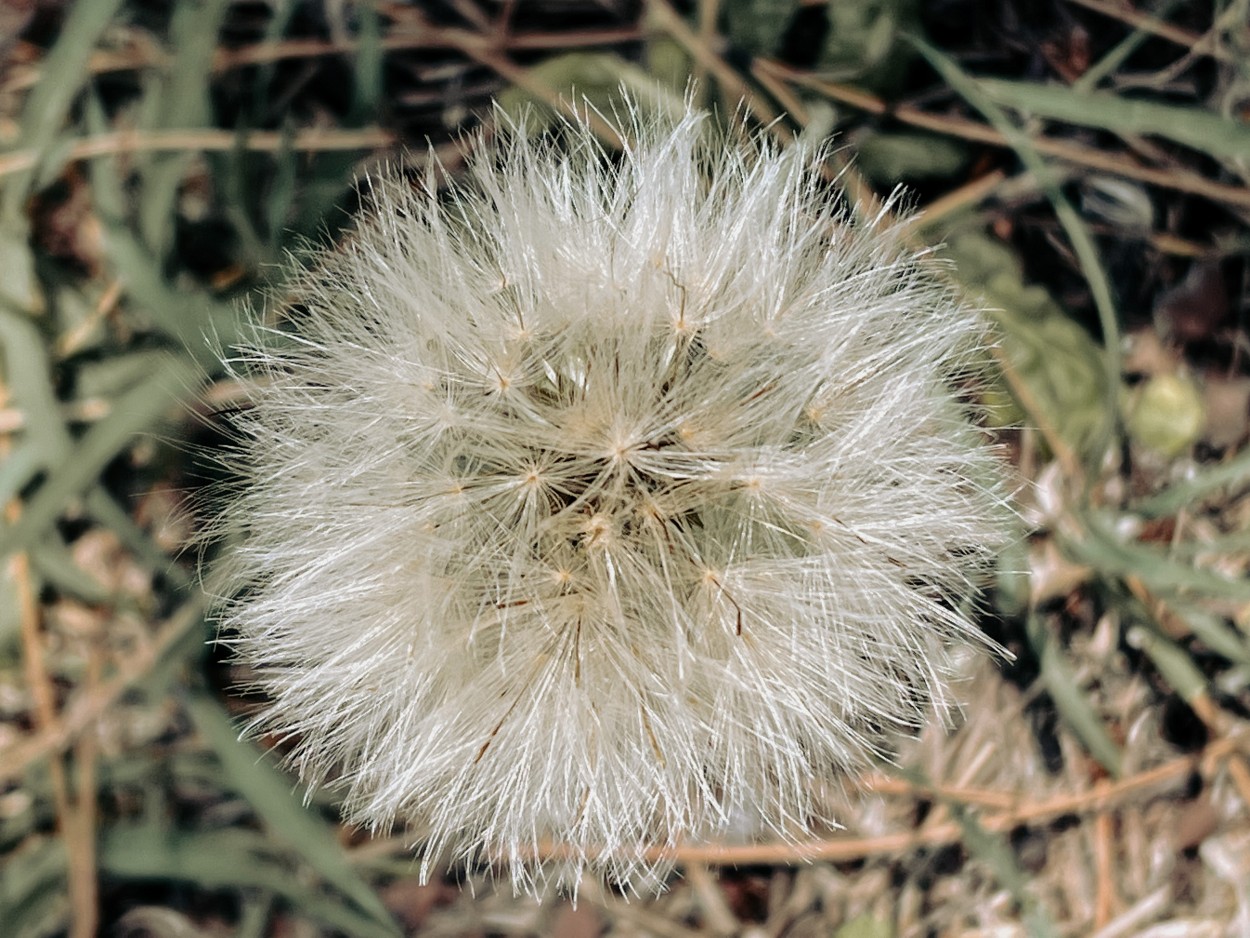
[1069, 698]
[1214, 632]
[601, 79]
[74, 313]
[117, 373]
[1190, 126]
[993, 850]
[758, 26]
[1118, 55]
[863, 41]
[254, 919]
[1176, 666]
[1111, 555]
[996, 854]
[55, 565]
[28, 374]
[281, 195]
[1232, 474]
[60, 78]
[173, 379]
[887, 158]
[105, 511]
[367, 93]
[225, 859]
[1057, 359]
[17, 469]
[269, 793]
[193, 33]
[865, 926]
[201, 324]
[184, 102]
[669, 63]
[1074, 226]
[33, 891]
[47, 444]
[276, 27]
[1165, 414]
[19, 287]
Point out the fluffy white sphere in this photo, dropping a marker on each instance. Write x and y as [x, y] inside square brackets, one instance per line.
[607, 503]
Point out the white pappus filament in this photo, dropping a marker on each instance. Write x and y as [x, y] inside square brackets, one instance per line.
[607, 502]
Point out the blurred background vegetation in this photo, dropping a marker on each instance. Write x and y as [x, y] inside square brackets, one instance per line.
[1084, 164]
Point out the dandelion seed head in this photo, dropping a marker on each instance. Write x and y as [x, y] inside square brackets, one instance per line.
[607, 504]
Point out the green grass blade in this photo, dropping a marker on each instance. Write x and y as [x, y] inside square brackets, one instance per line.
[1215, 633]
[368, 67]
[33, 898]
[194, 32]
[279, 19]
[1190, 126]
[1235, 472]
[19, 286]
[225, 859]
[1078, 233]
[281, 196]
[171, 381]
[269, 793]
[1177, 668]
[1101, 549]
[105, 511]
[201, 324]
[28, 373]
[992, 850]
[17, 469]
[1120, 53]
[195, 319]
[56, 566]
[184, 102]
[59, 82]
[1070, 699]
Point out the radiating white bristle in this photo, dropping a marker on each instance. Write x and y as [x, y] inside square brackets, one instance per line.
[607, 503]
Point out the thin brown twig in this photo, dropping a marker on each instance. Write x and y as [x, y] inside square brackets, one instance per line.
[966, 129]
[486, 51]
[38, 680]
[147, 141]
[982, 797]
[970, 193]
[83, 874]
[669, 21]
[1216, 722]
[86, 708]
[1021, 811]
[71, 341]
[788, 99]
[1157, 27]
[266, 53]
[1166, 243]
[839, 849]
[1104, 859]
[1023, 393]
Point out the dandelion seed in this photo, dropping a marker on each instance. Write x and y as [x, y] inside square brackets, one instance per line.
[611, 504]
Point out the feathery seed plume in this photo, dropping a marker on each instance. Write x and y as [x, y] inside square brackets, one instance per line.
[607, 503]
